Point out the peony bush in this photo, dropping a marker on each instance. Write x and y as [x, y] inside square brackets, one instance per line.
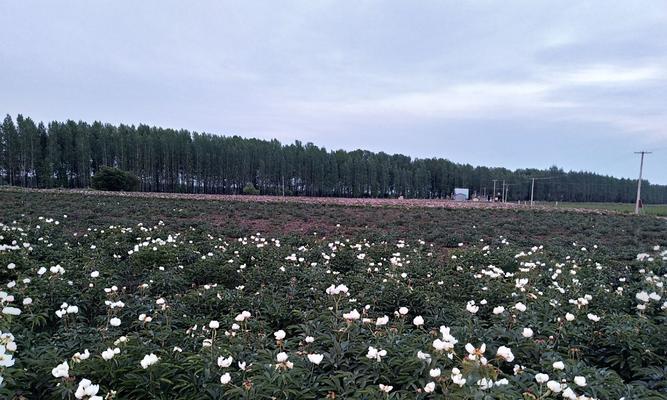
[144, 312]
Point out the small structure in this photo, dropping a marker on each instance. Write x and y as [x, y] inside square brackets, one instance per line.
[461, 194]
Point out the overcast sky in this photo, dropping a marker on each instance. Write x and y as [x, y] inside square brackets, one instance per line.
[579, 84]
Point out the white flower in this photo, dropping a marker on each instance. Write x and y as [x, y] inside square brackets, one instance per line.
[471, 307]
[279, 335]
[225, 378]
[559, 365]
[352, 315]
[225, 362]
[485, 383]
[333, 289]
[382, 321]
[282, 357]
[569, 317]
[243, 316]
[434, 373]
[593, 317]
[498, 310]
[78, 357]
[541, 378]
[642, 296]
[457, 377]
[580, 381]
[554, 386]
[423, 356]
[403, 310]
[527, 332]
[148, 360]
[520, 306]
[61, 370]
[430, 387]
[114, 321]
[418, 320]
[505, 353]
[315, 358]
[27, 301]
[569, 394]
[375, 354]
[11, 311]
[87, 389]
[386, 388]
[109, 353]
[95, 274]
[214, 324]
[310, 339]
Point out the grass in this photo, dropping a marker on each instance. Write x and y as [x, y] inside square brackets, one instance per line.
[620, 233]
[659, 210]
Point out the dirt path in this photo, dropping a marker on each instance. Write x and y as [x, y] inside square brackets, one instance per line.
[354, 202]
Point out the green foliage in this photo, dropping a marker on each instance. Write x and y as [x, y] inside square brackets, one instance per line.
[66, 154]
[204, 276]
[114, 179]
[250, 189]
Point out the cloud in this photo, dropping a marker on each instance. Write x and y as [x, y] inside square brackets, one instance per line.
[460, 101]
[611, 74]
[576, 93]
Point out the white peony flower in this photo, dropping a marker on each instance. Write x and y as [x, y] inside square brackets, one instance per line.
[225, 362]
[315, 358]
[279, 335]
[148, 360]
[505, 353]
[61, 370]
[580, 381]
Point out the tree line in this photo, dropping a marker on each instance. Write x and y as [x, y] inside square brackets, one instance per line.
[67, 154]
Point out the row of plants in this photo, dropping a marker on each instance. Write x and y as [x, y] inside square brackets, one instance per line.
[148, 311]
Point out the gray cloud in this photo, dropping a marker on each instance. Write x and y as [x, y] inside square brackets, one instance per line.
[516, 84]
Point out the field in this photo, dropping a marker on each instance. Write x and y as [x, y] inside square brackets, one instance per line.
[648, 209]
[203, 298]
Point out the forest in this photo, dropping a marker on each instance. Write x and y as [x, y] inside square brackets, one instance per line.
[67, 154]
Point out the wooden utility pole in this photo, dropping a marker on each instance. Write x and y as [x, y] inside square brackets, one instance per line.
[639, 182]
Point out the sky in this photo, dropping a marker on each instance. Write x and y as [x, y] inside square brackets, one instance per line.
[516, 84]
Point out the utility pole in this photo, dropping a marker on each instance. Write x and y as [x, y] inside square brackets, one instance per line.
[532, 191]
[502, 197]
[494, 190]
[639, 182]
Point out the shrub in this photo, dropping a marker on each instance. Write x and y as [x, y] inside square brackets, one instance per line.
[249, 188]
[114, 179]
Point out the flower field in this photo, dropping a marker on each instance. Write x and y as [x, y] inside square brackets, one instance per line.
[160, 299]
